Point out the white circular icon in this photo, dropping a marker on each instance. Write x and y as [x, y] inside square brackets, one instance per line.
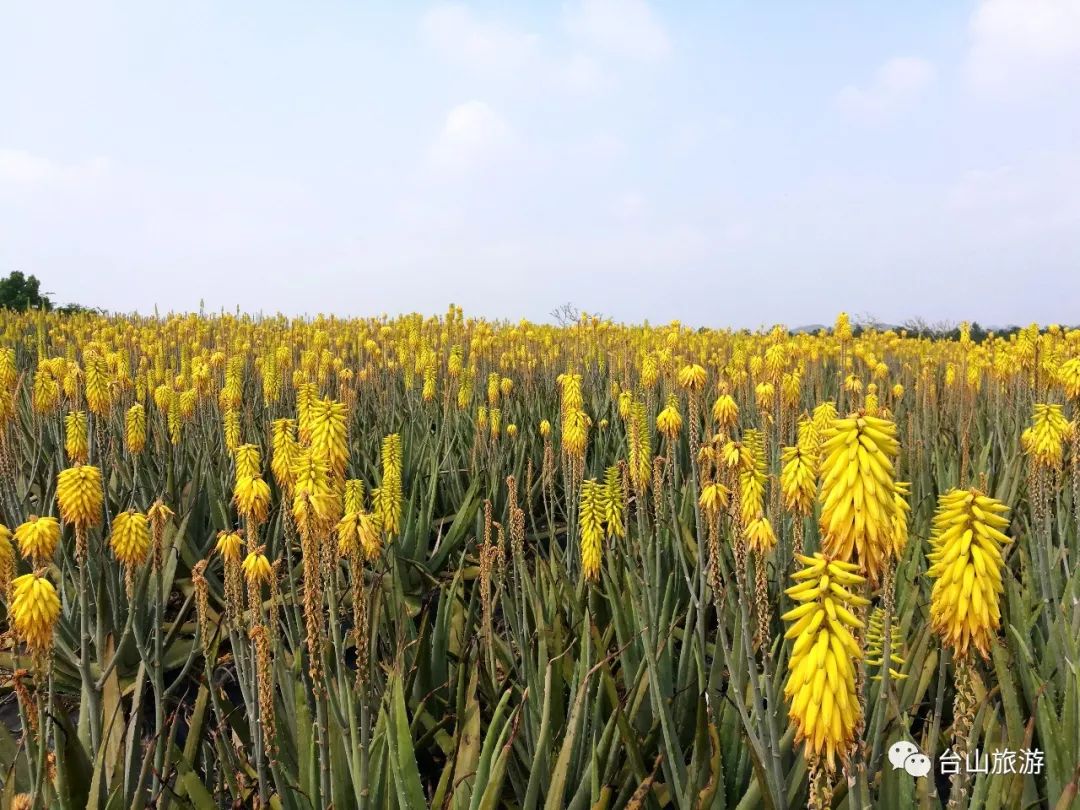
[917, 765]
[905, 754]
[900, 751]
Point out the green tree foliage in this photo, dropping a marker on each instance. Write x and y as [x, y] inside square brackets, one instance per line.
[21, 292]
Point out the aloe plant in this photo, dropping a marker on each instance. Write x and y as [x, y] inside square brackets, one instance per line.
[473, 664]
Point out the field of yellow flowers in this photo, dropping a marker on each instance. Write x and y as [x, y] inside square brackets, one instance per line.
[453, 563]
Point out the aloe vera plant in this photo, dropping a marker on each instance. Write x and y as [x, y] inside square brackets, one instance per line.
[419, 611]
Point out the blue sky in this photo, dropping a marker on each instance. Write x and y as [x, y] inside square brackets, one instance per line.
[732, 163]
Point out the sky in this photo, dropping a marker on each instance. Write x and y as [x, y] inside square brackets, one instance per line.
[720, 163]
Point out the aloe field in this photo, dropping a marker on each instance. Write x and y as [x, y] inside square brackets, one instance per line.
[445, 562]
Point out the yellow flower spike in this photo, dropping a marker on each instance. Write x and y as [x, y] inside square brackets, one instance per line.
[732, 455]
[35, 607]
[389, 500]
[7, 559]
[669, 422]
[162, 396]
[791, 389]
[858, 493]
[135, 429]
[354, 495]
[314, 505]
[575, 437]
[1044, 441]
[965, 564]
[229, 545]
[98, 398]
[76, 437]
[370, 534]
[570, 389]
[285, 453]
[759, 535]
[1069, 375]
[248, 461]
[650, 371]
[765, 395]
[130, 538]
[823, 417]
[306, 393]
[252, 498]
[798, 481]
[37, 539]
[329, 436]
[230, 425]
[614, 502]
[591, 519]
[45, 397]
[870, 403]
[257, 568]
[875, 645]
[714, 498]
[752, 480]
[9, 371]
[639, 448]
[692, 377]
[725, 412]
[79, 496]
[348, 533]
[901, 494]
[359, 532]
[821, 679]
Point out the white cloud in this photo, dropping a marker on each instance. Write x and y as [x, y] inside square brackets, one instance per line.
[461, 37]
[623, 27]
[473, 134]
[583, 74]
[495, 49]
[688, 136]
[24, 169]
[600, 147]
[982, 189]
[1035, 195]
[1016, 42]
[895, 86]
[649, 248]
[630, 205]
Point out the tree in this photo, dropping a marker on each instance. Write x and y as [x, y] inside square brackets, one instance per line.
[566, 315]
[920, 327]
[22, 292]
